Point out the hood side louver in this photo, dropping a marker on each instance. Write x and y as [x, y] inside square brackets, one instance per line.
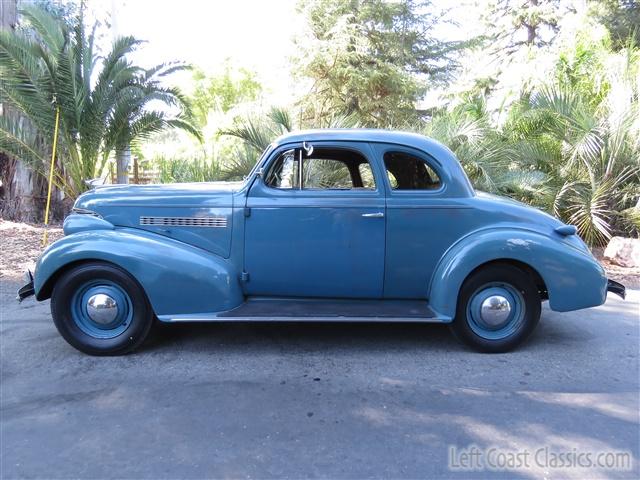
[205, 222]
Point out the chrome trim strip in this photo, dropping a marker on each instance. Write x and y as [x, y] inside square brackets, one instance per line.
[329, 319]
[204, 222]
[84, 211]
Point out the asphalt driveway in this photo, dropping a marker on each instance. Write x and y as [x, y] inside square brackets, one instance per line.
[318, 400]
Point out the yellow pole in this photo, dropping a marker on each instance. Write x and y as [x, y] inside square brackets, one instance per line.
[45, 237]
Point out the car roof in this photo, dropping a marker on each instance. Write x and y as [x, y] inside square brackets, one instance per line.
[361, 135]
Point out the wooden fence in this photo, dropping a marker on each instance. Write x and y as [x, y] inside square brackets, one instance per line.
[137, 174]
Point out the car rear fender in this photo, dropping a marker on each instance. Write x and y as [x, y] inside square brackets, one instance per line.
[177, 278]
[573, 278]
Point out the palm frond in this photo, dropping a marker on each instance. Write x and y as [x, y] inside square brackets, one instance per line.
[281, 118]
[253, 132]
[240, 164]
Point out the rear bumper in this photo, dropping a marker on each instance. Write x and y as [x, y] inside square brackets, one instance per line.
[616, 287]
[26, 290]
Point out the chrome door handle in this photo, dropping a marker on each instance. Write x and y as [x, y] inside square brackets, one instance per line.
[373, 215]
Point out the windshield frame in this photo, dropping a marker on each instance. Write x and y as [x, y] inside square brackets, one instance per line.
[260, 160]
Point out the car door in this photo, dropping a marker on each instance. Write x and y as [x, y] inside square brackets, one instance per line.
[315, 224]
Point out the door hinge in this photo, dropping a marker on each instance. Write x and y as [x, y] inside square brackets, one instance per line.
[244, 277]
[247, 211]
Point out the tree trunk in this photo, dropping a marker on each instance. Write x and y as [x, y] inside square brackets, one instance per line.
[123, 158]
[21, 189]
[532, 27]
[8, 13]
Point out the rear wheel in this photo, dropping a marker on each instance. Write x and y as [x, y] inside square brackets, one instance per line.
[100, 309]
[498, 308]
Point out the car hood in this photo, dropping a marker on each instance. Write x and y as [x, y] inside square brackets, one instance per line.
[208, 194]
[178, 211]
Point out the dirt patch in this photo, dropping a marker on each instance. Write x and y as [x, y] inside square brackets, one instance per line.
[20, 246]
[21, 243]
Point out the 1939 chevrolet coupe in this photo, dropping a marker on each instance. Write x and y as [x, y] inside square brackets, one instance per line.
[331, 225]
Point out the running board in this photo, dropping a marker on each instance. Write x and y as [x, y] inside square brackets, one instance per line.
[260, 309]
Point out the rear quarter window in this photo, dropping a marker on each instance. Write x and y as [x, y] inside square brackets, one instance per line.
[409, 172]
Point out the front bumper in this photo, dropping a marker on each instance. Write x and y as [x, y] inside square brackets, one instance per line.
[617, 288]
[26, 290]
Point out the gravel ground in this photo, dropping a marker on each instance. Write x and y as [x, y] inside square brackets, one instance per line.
[317, 400]
[21, 243]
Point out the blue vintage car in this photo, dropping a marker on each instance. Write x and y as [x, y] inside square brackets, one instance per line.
[331, 225]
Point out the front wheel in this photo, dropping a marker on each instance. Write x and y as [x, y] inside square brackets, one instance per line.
[100, 309]
[498, 308]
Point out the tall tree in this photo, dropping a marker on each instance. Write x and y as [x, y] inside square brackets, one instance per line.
[517, 49]
[621, 18]
[372, 59]
[516, 24]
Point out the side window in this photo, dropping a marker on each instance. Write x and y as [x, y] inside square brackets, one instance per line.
[326, 173]
[336, 169]
[407, 172]
[324, 169]
[284, 172]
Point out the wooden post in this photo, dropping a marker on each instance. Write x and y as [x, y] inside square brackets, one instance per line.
[123, 158]
[136, 176]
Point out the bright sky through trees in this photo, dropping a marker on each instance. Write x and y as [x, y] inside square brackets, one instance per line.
[255, 34]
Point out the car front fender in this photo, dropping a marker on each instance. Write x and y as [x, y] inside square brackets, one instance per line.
[574, 279]
[177, 278]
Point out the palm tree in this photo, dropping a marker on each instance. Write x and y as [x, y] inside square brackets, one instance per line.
[131, 119]
[591, 154]
[486, 156]
[559, 150]
[102, 100]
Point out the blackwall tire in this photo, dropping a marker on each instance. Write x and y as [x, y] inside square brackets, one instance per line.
[100, 309]
[498, 308]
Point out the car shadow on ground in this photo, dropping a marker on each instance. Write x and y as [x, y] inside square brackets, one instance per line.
[305, 336]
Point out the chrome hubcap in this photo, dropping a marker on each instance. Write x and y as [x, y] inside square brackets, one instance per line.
[102, 309]
[495, 310]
